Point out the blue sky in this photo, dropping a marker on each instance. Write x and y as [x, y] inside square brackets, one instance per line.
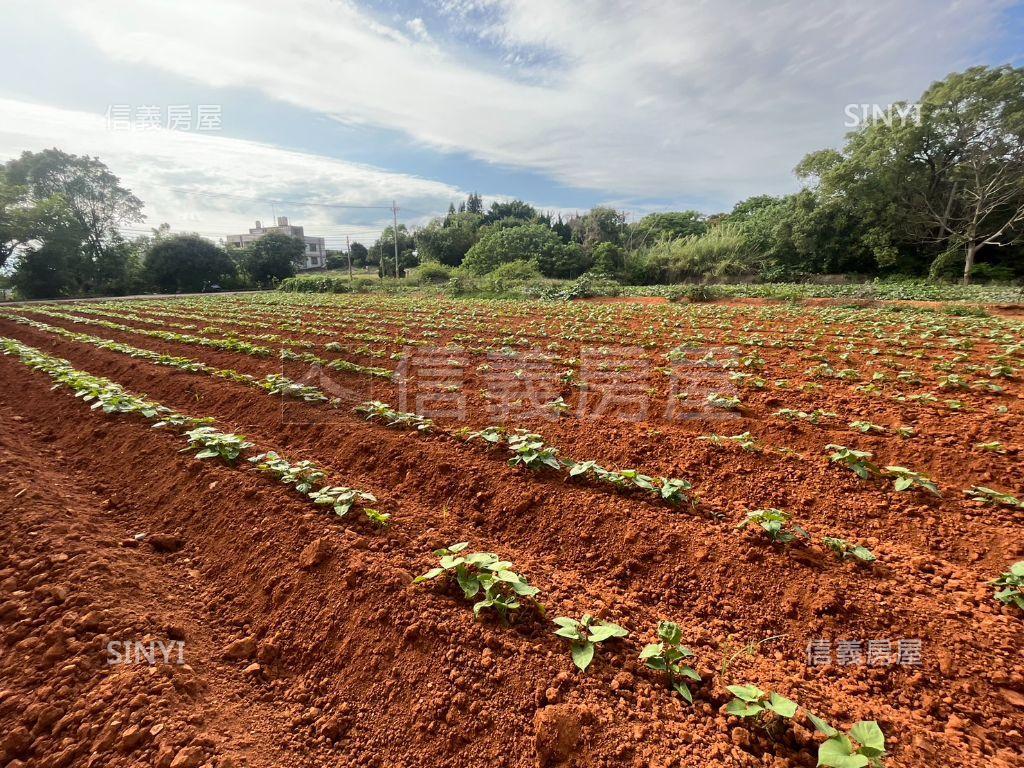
[568, 104]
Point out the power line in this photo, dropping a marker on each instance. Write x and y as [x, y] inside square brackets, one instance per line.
[272, 201]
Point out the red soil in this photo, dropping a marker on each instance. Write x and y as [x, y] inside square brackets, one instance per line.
[358, 667]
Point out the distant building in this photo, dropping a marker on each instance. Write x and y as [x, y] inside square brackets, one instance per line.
[316, 253]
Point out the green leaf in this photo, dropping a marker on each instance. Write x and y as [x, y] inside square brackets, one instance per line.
[837, 752]
[683, 690]
[606, 631]
[670, 632]
[823, 728]
[433, 573]
[743, 708]
[582, 654]
[869, 736]
[746, 692]
[650, 650]
[468, 581]
[782, 706]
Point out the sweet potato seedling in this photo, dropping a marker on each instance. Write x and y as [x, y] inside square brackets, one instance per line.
[212, 443]
[1013, 586]
[904, 479]
[858, 462]
[342, 499]
[484, 575]
[862, 747]
[751, 702]
[844, 549]
[773, 523]
[585, 634]
[668, 656]
[529, 450]
[992, 496]
[304, 475]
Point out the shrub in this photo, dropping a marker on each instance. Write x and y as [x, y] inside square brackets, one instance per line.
[316, 284]
[517, 243]
[588, 286]
[432, 273]
[509, 277]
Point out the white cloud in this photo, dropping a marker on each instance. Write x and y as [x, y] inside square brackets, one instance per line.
[644, 98]
[236, 177]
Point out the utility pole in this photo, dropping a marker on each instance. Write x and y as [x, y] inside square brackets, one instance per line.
[348, 251]
[394, 214]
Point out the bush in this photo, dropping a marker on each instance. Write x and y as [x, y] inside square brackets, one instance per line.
[511, 276]
[311, 284]
[525, 242]
[695, 294]
[722, 251]
[589, 286]
[462, 282]
[432, 273]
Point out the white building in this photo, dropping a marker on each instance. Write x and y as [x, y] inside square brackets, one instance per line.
[316, 253]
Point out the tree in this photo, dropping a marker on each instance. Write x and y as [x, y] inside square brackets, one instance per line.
[511, 209]
[474, 203]
[273, 257]
[609, 258]
[447, 240]
[383, 251]
[952, 180]
[970, 147]
[668, 225]
[187, 264]
[359, 254]
[93, 195]
[598, 225]
[23, 219]
[525, 242]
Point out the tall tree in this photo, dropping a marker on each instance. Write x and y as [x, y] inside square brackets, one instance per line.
[273, 257]
[952, 180]
[94, 196]
[187, 264]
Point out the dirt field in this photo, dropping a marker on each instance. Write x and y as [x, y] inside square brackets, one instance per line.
[287, 635]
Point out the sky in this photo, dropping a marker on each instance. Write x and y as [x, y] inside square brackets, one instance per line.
[217, 113]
